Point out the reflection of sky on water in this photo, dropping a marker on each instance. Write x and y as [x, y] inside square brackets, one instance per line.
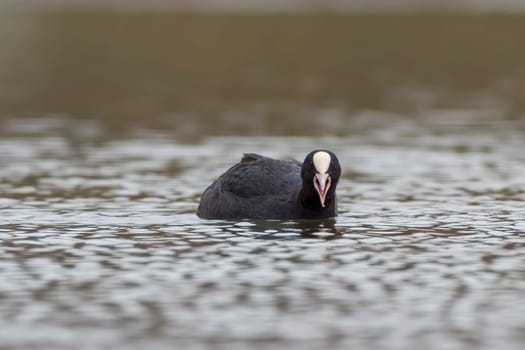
[101, 247]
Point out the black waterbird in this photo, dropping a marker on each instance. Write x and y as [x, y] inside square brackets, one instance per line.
[259, 187]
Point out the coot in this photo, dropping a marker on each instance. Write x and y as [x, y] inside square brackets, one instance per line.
[259, 187]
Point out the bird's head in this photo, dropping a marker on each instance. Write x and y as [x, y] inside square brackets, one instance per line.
[321, 170]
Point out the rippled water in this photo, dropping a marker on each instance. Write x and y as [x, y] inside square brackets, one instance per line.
[109, 127]
[100, 246]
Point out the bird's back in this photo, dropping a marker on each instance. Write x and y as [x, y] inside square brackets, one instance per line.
[256, 187]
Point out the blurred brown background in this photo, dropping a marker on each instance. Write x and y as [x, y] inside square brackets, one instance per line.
[254, 68]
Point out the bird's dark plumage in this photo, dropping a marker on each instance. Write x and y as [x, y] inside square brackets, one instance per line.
[259, 187]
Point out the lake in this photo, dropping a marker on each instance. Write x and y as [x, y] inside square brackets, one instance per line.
[112, 125]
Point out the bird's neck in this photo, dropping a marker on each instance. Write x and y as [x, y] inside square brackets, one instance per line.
[309, 200]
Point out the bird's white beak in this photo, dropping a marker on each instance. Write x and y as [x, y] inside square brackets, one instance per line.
[322, 184]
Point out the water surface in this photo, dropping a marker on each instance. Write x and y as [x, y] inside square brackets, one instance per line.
[101, 246]
[111, 125]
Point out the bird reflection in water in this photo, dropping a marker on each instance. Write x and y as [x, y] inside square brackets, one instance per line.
[276, 229]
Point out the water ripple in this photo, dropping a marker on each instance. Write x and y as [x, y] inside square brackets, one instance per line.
[100, 248]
